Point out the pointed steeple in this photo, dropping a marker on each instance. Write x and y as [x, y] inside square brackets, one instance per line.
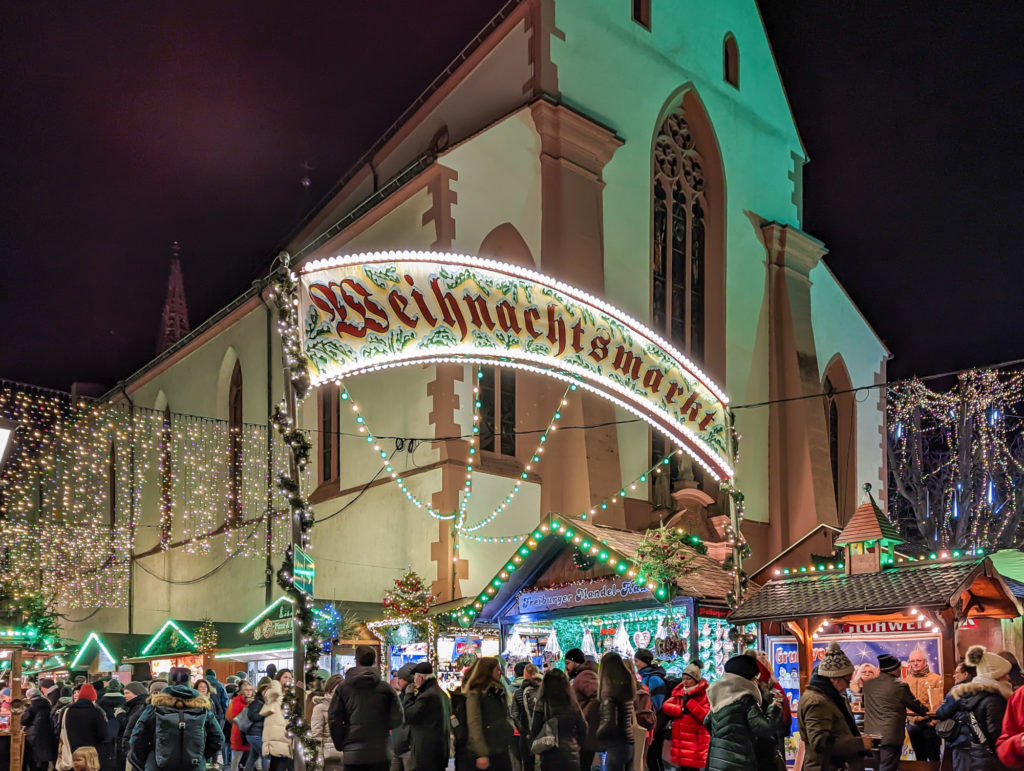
[868, 538]
[174, 319]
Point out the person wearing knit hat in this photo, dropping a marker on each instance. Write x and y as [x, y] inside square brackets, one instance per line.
[886, 701]
[136, 696]
[40, 741]
[739, 717]
[828, 731]
[687, 707]
[84, 722]
[983, 702]
[771, 753]
[155, 686]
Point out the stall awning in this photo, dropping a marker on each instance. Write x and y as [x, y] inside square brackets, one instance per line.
[280, 650]
[971, 586]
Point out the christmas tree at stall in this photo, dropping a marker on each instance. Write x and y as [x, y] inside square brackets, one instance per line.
[206, 636]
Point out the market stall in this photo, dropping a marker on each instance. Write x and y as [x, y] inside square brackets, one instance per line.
[875, 602]
[575, 584]
[188, 644]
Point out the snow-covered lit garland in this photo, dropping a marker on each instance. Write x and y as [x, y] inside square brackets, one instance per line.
[286, 300]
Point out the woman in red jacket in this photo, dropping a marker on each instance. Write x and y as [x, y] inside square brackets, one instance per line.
[239, 702]
[688, 706]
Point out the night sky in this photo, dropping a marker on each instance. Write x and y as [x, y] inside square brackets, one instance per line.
[127, 126]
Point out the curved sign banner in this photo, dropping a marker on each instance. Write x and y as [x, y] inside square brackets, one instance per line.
[368, 312]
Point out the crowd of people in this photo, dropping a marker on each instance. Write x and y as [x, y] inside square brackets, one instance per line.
[612, 714]
[980, 720]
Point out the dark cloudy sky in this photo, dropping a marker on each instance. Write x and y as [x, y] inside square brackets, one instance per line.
[126, 126]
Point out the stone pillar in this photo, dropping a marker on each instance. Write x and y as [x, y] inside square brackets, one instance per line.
[800, 475]
[574, 152]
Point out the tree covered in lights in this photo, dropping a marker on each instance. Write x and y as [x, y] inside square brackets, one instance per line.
[664, 556]
[206, 636]
[410, 599]
[956, 461]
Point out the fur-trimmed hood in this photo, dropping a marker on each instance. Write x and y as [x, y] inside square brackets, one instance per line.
[978, 687]
[731, 688]
[173, 695]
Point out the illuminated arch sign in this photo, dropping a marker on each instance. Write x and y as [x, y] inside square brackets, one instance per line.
[368, 312]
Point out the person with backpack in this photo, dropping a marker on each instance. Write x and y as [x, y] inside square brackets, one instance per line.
[557, 713]
[524, 700]
[654, 679]
[112, 702]
[688, 708]
[979, 706]
[177, 730]
[41, 744]
[276, 744]
[239, 703]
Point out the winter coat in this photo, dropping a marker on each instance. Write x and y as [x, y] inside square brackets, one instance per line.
[1009, 747]
[490, 725]
[429, 720]
[770, 751]
[57, 715]
[986, 700]
[218, 710]
[400, 737]
[615, 724]
[86, 725]
[220, 694]
[255, 716]
[113, 705]
[362, 711]
[132, 711]
[585, 686]
[238, 743]
[275, 728]
[690, 739]
[654, 678]
[172, 699]
[42, 743]
[927, 688]
[827, 730]
[886, 701]
[736, 719]
[524, 700]
[460, 726]
[571, 729]
[318, 724]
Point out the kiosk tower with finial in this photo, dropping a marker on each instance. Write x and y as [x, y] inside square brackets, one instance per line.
[869, 538]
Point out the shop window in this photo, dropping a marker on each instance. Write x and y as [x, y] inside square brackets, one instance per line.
[498, 410]
[731, 61]
[679, 242]
[329, 441]
[235, 447]
[642, 13]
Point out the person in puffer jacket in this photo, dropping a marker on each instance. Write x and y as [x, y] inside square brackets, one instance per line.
[329, 754]
[200, 721]
[979, 706]
[688, 707]
[363, 710]
[737, 717]
[276, 744]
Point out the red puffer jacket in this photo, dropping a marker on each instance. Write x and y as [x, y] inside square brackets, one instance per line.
[238, 703]
[690, 739]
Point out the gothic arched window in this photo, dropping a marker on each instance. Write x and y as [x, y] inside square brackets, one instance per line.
[678, 259]
[235, 447]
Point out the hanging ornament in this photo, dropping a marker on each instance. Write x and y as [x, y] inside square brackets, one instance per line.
[588, 647]
[660, 632]
[552, 651]
[621, 644]
[516, 648]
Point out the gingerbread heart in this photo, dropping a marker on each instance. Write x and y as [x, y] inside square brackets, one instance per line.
[641, 639]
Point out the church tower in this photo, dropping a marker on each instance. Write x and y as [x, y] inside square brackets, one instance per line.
[174, 319]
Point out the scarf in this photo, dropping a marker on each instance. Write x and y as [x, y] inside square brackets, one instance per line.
[824, 686]
[923, 673]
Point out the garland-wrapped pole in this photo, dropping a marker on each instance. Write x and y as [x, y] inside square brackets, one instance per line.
[740, 548]
[305, 639]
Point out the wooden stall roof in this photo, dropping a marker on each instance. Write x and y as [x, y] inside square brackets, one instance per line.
[972, 587]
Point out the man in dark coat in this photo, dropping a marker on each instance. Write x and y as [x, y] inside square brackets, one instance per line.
[886, 701]
[583, 675]
[85, 723]
[42, 744]
[135, 694]
[429, 720]
[364, 709]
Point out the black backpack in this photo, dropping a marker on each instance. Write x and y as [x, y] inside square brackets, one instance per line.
[180, 737]
[664, 722]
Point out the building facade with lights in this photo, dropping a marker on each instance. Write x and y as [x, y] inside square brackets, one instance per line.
[646, 155]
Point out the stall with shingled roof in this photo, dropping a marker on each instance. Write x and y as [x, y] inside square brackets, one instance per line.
[875, 601]
[574, 584]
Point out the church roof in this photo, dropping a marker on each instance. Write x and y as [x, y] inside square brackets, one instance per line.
[868, 523]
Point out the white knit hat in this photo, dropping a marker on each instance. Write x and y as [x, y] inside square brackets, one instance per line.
[987, 664]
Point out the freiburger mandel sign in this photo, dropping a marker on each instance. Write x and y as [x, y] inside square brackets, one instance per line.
[372, 311]
[596, 592]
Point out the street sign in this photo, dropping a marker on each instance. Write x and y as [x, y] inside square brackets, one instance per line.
[304, 572]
